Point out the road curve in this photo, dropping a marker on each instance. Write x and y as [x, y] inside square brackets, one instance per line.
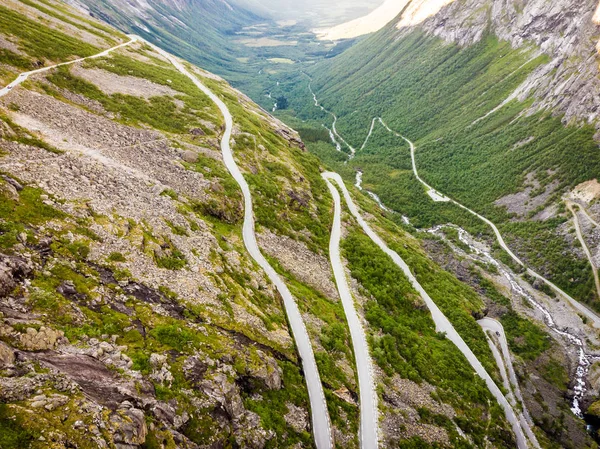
[369, 422]
[584, 245]
[589, 217]
[505, 364]
[441, 322]
[320, 415]
[595, 319]
[23, 76]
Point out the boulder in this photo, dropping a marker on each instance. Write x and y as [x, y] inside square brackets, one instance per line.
[7, 356]
[594, 409]
[12, 271]
[44, 339]
[296, 418]
[190, 157]
[269, 371]
[129, 426]
[8, 191]
[13, 182]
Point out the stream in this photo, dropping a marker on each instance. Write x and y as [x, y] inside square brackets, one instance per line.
[585, 360]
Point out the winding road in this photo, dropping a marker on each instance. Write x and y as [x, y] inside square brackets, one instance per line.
[368, 397]
[320, 415]
[505, 365]
[587, 214]
[441, 322]
[369, 423]
[595, 319]
[333, 131]
[437, 196]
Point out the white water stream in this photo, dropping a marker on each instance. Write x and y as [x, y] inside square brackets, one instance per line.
[585, 360]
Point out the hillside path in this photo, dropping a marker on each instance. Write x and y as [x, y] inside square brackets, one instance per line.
[25, 75]
[584, 245]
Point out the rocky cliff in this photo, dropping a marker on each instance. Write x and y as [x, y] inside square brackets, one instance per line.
[565, 30]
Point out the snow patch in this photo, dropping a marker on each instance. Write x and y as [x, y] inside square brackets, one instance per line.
[420, 10]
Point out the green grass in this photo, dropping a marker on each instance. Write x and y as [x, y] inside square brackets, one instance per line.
[40, 41]
[13, 435]
[555, 373]
[13, 59]
[116, 257]
[17, 216]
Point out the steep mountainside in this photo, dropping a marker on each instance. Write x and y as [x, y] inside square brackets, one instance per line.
[198, 31]
[131, 313]
[565, 30]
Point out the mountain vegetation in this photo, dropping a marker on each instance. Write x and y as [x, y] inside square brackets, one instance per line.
[133, 316]
[425, 89]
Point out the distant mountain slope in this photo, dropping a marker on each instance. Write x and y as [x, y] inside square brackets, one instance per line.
[313, 12]
[564, 30]
[196, 30]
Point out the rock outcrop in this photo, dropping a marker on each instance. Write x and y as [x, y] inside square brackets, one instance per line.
[565, 30]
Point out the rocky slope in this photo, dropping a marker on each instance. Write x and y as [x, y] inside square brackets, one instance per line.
[130, 314]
